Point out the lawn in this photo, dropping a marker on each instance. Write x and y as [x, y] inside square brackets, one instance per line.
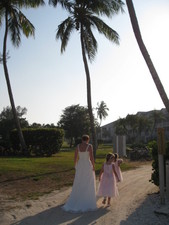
[28, 178]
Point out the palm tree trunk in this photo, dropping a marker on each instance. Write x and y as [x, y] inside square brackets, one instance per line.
[89, 101]
[145, 54]
[22, 142]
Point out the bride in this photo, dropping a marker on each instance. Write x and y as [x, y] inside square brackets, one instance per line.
[83, 195]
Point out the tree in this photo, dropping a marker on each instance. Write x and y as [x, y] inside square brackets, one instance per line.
[7, 122]
[15, 22]
[75, 122]
[156, 117]
[102, 111]
[143, 126]
[146, 55]
[121, 127]
[83, 17]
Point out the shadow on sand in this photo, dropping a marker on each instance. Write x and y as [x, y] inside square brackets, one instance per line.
[56, 216]
[145, 213]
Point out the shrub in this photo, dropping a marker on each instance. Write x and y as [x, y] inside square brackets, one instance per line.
[40, 142]
[154, 151]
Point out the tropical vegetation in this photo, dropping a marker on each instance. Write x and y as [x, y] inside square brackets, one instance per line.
[155, 164]
[102, 111]
[83, 17]
[75, 122]
[15, 23]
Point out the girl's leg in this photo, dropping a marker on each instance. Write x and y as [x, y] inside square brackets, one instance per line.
[108, 202]
[104, 200]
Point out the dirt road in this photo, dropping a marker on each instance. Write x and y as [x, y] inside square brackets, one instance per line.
[135, 206]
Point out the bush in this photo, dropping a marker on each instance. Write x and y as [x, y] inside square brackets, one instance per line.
[154, 151]
[40, 142]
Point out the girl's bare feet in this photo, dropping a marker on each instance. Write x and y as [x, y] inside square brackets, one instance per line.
[108, 203]
[104, 201]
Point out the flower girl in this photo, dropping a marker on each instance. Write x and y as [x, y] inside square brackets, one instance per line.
[107, 177]
[117, 163]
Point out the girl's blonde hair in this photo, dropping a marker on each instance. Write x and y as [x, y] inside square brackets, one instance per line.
[109, 156]
[116, 156]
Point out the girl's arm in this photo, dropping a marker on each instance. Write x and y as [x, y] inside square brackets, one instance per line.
[75, 156]
[91, 156]
[114, 171]
[101, 171]
[120, 161]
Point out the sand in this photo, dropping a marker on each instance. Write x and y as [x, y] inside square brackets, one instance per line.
[138, 204]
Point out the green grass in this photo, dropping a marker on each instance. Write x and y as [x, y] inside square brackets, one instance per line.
[29, 178]
[62, 161]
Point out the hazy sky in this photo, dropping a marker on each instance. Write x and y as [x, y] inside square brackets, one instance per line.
[46, 82]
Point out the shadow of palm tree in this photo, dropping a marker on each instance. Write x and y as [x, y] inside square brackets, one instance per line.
[33, 176]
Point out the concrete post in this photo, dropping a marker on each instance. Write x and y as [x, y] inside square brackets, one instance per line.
[161, 177]
[167, 178]
[120, 145]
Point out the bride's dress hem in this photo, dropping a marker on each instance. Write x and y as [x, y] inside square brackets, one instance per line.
[79, 211]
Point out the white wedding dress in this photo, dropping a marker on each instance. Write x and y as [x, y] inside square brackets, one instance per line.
[83, 195]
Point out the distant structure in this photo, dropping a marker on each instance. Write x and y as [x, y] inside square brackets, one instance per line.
[120, 145]
[108, 134]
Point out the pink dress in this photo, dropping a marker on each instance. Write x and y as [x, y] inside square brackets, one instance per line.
[108, 186]
[118, 170]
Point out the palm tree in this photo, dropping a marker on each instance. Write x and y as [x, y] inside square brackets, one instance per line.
[83, 17]
[15, 22]
[145, 54]
[156, 117]
[102, 111]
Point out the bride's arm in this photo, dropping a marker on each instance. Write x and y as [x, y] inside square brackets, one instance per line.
[91, 156]
[75, 156]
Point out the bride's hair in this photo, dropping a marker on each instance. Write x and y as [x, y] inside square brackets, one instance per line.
[85, 137]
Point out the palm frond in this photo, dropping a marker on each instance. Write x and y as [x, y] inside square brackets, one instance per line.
[29, 3]
[18, 22]
[26, 26]
[90, 43]
[14, 28]
[66, 4]
[2, 13]
[64, 32]
[104, 29]
[1, 57]
[106, 7]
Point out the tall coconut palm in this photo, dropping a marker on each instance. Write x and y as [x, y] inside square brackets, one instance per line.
[146, 55]
[84, 15]
[102, 111]
[15, 22]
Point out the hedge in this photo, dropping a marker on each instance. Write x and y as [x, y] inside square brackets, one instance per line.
[39, 141]
[154, 151]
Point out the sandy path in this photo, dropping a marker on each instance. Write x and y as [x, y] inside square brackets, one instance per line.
[134, 206]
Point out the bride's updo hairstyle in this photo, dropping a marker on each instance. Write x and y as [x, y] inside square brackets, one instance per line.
[85, 137]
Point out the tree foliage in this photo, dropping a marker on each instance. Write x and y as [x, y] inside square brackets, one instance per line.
[75, 122]
[83, 17]
[134, 125]
[15, 23]
[7, 123]
[102, 111]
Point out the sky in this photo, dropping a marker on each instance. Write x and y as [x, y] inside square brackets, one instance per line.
[46, 82]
